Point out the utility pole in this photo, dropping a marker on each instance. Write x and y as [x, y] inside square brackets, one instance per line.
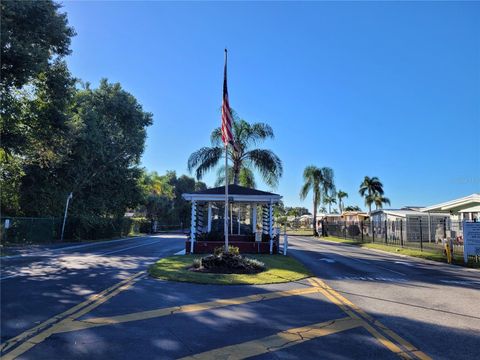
[70, 196]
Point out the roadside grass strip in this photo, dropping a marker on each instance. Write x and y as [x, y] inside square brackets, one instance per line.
[279, 269]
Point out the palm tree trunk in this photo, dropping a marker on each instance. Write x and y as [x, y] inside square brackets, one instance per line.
[315, 233]
[236, 173]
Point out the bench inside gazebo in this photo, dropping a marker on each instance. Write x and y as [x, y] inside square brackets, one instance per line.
[245, 231]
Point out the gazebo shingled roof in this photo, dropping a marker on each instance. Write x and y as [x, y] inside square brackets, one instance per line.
[233, 190]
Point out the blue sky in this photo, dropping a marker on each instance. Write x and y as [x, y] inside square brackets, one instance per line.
[379, 89]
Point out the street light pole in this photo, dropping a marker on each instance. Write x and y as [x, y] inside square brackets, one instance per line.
[70, 196]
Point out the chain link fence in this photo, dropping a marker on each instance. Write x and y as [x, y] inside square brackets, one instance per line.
[27, 230]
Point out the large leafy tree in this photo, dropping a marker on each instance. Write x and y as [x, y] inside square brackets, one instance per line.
[320, 182]
[369, 188]
[32, 33]
[35, 36]
[101, 164]
[36, 90]
[296, 211]
[46, 136]
[244, 159]
[181, 207]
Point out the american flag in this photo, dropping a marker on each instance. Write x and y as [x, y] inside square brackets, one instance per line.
[227, 135]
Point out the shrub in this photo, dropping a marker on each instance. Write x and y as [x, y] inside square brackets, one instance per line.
[197, 263]
[231, 249]
[229, 263]
[353, 230]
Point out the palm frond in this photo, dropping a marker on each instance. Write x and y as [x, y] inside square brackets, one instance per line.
[204, 160]
[327, 181]
[267, 164]
[216, 137]
[305, 190]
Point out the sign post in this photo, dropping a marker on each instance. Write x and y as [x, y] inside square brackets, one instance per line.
[471, 239]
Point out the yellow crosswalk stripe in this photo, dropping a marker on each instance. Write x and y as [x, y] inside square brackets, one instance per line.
[144, 315]
[278, 341]
[372, 325]
[39, 333]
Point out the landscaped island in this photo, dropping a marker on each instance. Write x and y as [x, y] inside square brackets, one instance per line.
[229, 269]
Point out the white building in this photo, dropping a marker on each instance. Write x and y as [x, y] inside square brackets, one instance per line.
[458, 210]
[409, 225]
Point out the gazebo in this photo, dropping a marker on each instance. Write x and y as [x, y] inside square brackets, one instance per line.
[245, 231]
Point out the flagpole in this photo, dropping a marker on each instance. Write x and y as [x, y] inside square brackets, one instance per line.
[225, 225]
[226, 113]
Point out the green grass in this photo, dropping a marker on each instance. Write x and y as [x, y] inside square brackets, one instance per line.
[301, 232]
[425, 254]
[279, 269]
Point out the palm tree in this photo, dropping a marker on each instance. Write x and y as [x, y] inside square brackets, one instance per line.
[340, 195]
[379, 200]
[369, 188]
[320, 181]
[244, 158]
[329, 200]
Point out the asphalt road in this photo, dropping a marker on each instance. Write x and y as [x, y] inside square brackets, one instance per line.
[433, 305]
[38, 286]
[96, 302]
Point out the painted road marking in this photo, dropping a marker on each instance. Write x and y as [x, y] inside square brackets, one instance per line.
[349, 311]
[128, 248]
[461, 282]
[144, 315]
[393, 271]
[371, 323]
[37, 334]
[66, 321]
[280, 340]
[371, 278]
[327, 260]
[403, 263]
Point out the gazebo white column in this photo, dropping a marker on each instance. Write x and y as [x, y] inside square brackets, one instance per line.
[254, 217]
[193, 225]
[209, 217]
[270, 219]
[270, 225]
[238, 218]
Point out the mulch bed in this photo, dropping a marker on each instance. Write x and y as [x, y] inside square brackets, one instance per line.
[227, 263]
